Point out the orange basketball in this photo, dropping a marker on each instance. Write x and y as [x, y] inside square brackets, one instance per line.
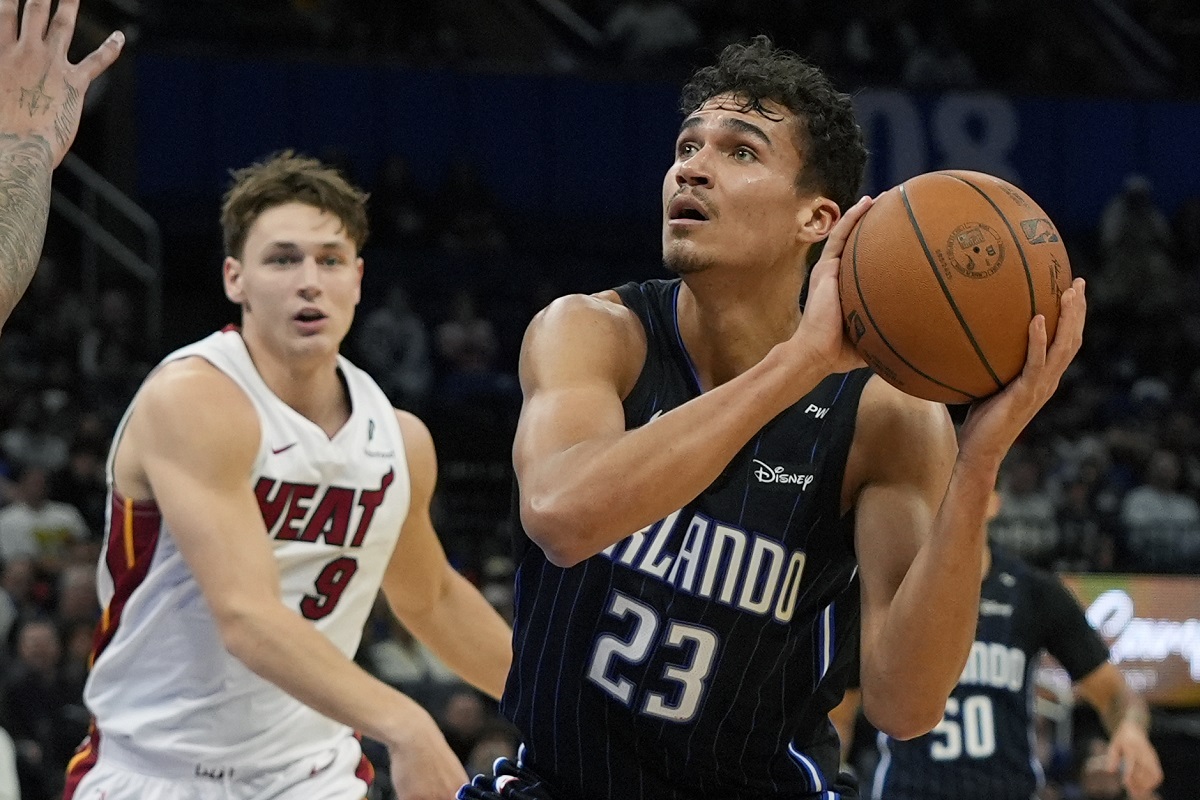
[940, 279]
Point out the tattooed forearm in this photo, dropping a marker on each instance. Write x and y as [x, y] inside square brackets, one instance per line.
[25, 166]
[68, 118]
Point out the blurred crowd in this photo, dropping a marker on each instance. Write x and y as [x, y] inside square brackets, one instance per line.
[1122, 46]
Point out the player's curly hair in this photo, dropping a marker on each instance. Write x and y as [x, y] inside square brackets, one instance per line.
[286, 177]
[830, 141]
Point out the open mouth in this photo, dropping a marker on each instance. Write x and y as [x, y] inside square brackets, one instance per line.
[686, 208]
[309, 315]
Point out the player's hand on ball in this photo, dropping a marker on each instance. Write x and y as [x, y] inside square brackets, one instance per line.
[993, 425]
[822, 331]
[41, 93]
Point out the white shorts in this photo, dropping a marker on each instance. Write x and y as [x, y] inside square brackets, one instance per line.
[340, 773]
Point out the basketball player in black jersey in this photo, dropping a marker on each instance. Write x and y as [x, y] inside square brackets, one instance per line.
[983, 749]
[41, 100]
[702, 468]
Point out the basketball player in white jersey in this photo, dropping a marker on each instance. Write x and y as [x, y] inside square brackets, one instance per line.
[263, 490]
[41, 99]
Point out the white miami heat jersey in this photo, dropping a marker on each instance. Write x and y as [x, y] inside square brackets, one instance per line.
[162, 684]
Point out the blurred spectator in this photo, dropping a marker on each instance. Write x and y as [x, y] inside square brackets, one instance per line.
[399, 209]
[77, 601]
[467, 347]
[652, 35]
[876, 42]
[496, 739]
[22, 591]
[470, 215]
[30, 440]
[82, 483]
[1085, 544]
[1137, 277]
[111, 356]
[393, 346]
[42, 712]
[463, 720]
[36, 527]
[1162, 525]
[940, 63]
[1026, 523]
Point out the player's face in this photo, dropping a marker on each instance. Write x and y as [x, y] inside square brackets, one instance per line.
[298, 281]
[730, 196]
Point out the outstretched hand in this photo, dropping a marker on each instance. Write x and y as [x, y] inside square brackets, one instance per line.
[993, 425]
[41, 92]
[822, 329]
[1131, 753]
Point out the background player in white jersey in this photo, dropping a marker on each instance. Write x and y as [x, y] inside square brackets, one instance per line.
[41, 98]
[259, 479]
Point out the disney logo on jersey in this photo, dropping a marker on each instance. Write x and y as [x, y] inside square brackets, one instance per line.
[781, 476]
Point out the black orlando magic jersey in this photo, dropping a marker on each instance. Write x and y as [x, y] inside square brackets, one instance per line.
[982, 748]
[698, 658]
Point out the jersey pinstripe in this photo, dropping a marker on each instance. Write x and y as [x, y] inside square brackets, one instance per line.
[162, 685]
[698, 658]
[983, 747]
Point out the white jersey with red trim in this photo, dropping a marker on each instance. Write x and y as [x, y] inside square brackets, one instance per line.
[162, 684]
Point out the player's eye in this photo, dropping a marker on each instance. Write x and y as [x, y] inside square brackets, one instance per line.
[686, 149]
[283, 259]
[745, 154]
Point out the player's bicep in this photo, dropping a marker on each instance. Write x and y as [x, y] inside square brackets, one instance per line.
[575, 370]
[196, 436]
[418, 569]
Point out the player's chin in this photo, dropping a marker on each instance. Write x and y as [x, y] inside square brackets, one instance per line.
[683, 257]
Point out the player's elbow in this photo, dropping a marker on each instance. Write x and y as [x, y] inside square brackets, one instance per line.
[900, 719]
[240, 626]
[554, 526]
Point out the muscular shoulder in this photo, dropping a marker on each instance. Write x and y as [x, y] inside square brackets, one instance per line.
[192, 388]
[191, 407]
[594, 333]
[898, 437]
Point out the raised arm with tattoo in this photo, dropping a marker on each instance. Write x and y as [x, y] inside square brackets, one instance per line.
[41, 99]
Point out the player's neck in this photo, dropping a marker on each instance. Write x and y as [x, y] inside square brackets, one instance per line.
[729, 324]
[310, 386]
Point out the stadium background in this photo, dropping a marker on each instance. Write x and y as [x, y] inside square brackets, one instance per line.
[514, 150]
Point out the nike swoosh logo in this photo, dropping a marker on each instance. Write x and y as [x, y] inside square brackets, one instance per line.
[277, 451]
[655, 415]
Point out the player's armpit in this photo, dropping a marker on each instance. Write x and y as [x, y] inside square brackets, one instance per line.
[919, 548]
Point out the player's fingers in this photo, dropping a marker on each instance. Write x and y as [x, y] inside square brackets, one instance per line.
[836, 242]
[62, 25]
[1069, 336]
[8, 21]
[102, 57]
[1035, 348]
[33, 22]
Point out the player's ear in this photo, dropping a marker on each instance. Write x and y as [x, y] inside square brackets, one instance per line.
[231, 273]
[816, 219]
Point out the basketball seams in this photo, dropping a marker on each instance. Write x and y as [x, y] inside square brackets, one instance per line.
[862, 301]
[1012, 233]
[912, 218]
